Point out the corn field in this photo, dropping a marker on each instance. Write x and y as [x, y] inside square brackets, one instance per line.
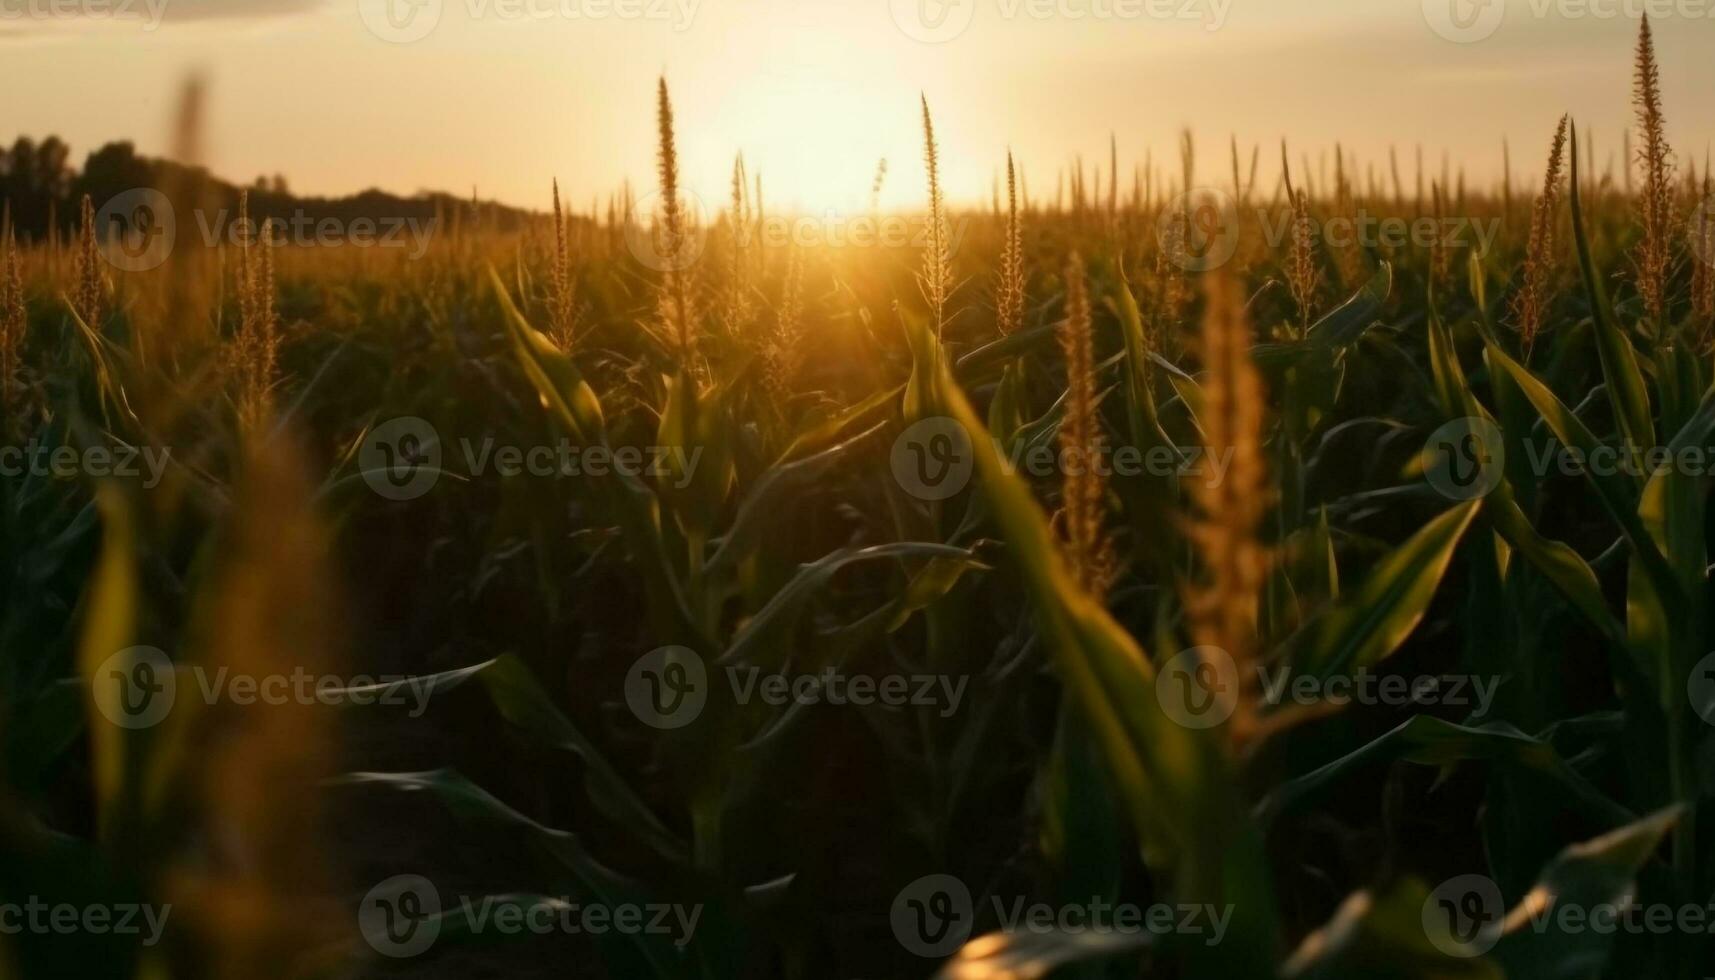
[1162, 574]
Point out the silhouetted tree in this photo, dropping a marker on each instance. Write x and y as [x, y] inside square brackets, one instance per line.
[37, 180]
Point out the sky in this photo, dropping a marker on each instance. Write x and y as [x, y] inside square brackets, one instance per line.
[507, 95]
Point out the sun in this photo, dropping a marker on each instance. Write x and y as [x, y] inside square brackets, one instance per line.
[815, 134]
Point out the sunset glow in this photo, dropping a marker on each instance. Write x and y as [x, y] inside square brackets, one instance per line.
[815, 92]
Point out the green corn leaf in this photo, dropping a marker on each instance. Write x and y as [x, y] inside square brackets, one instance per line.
[571, 402]
[520, 699]
[1615, 492]
[696, 428]
[756, 510]
[762, 641]
[475, 807]
[1371, 622]
[1029, 955]
[1452, 389]
[936, 579]
[1177, 783]
[1433, 742]
[1672, 512]
[1671, 508]
[1006, 408]
[980, 363]
[1373, 936]
[1346, 324]
[1568, 572]
[1140, 402]
[562, 388]
[1386, 935]
[109, 626]
[1535, 944]
[819, 436]
[1619, 362]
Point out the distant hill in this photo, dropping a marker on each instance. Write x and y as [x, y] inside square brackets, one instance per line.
[42, 189]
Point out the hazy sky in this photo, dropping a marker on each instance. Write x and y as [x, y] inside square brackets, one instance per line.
[507, 94]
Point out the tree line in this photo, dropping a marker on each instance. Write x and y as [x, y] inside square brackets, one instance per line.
[43, 191]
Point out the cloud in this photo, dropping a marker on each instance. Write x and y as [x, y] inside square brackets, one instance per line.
[26, 20]
[189, 10]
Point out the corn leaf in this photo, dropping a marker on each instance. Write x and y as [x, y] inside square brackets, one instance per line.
[474, 806]
[1615, 493]
[1382, 935]
[1435, 742]
[1599, 873]
[109, 626]
[1625, 381]
[1177, 783]
[521, 700]
[1023, 955]
[1371, 622]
